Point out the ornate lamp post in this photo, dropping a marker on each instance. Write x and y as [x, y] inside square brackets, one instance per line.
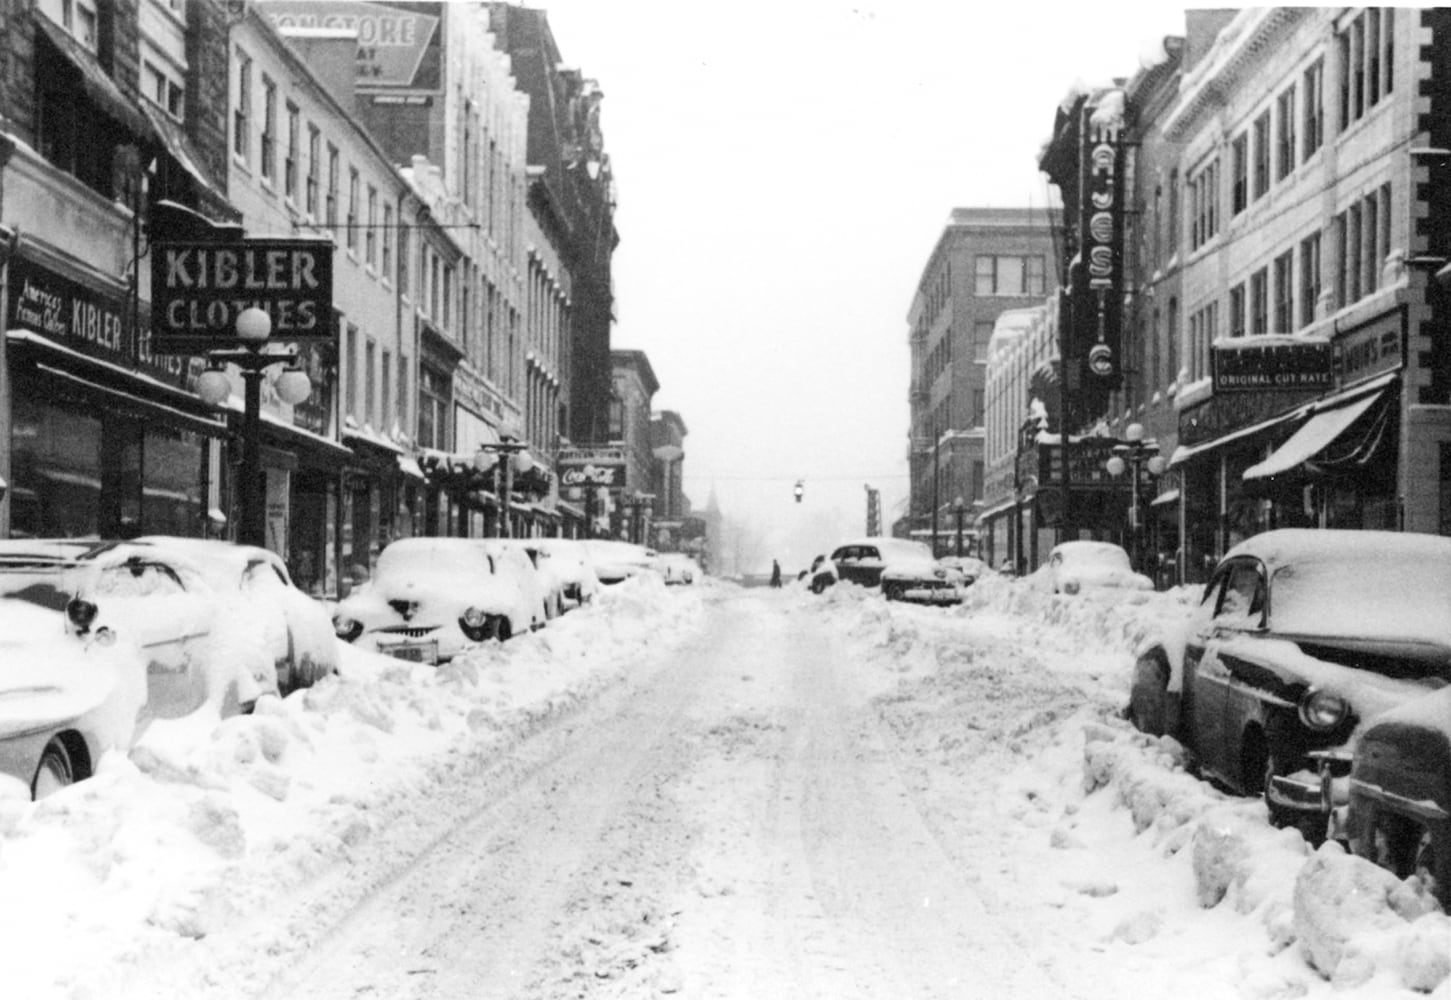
[514, 459]
[1134, 454]
[957, 508]
[293, 386]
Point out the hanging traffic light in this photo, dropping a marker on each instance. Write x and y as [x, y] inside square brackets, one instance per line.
[798, 490]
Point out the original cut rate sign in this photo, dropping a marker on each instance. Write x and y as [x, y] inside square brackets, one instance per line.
[199, 288]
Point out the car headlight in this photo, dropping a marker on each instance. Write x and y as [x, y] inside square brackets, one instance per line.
[940, 573]
[1070, 586]
[347, 629]
[1321, 710]
[474, 618]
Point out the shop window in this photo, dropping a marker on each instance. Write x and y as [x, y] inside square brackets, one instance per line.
[55, 470]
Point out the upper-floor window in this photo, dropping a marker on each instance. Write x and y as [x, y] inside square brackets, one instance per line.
[1259, 302]
[370, 248]
[1204, 204]
[1367, 67]
[269, 128]
[242, 110]
[1284, 291]
[1285, 138]
[1262, 154]
[385, 265]
[1173, 211]
[162, 86]
[1314, 108]
[294, 152]
[1236, 310]
[352, 236]
[1009, 275]
[332, 186]
[1309, 277]
[1239, 165]
[314, 167]
[77, 17]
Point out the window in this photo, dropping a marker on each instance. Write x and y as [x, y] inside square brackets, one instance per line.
[1004, 275]
[385, 266]
[350, 369]
[332, 186]
[289, 164]
[1367, 66]
[447, 297]
[77, 17]
[982, 335]
[1239, 163]
[1284, 290]
[1354, 247]
[1171, 339]
[1203, 328]
[164, 89]
[1285, 144]
[352, 236]
[1370, 259]
[1236, 310]
[405, 264]
[1314, 108]
[269, 128]
[1309, 277]
[370, 382]
[370, 248]
[1173, 211]
[242, 110]
[433, 399]
[314, 150]
[1262, 155]
[1259, 302]
[387, 419]
[1204, 205]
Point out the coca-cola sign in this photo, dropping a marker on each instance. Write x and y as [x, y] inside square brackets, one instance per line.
[592, 474]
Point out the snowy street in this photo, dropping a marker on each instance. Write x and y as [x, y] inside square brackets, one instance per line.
[705, 792]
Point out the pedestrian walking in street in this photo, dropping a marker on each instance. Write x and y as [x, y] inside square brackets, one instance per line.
[775, 573]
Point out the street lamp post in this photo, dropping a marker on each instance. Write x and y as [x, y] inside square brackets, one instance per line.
[957, 509]
[509, 456]
[254, 326]
[1134, 454]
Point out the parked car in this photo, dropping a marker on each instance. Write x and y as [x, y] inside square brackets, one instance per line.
[263, 601]
[677, 568]
[570, 562]
[548, 579]
[1399, 810]
[1301, 639]
[904, 570]
[614, 562]
[430, 598]
[102, 638]
[1077, 566]
[971, 568]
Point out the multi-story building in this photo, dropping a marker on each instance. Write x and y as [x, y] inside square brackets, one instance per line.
[632, 504]
[105, 111]
[986, 261]
[1315, 375]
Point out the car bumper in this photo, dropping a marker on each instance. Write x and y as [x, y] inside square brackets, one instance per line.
[935, 593]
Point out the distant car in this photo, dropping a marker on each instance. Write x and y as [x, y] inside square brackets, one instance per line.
[569, 560]
[1301, 639]
[677, 567]
[904, 570]
[972, 569]
[431, 598]
[549, 580]
[614, 562]
[1077, 566]
[101, 638]
[1399, 810]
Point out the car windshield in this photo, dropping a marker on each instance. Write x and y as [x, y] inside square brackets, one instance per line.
[1407, 597]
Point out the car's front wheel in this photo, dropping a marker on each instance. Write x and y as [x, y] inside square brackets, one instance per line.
[55, 771]
[1148, 699]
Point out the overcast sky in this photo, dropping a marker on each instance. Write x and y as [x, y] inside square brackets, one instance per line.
[784, 170]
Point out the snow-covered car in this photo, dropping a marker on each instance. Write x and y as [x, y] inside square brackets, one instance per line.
[971, 568]
[614, 562]
[430, 598]
[1081, 565]
[549, 580]
[1399, 811]
[904, 570]
[100, 638]
[262, 601]
[569, 561]
[677, 567]
[1301, 638]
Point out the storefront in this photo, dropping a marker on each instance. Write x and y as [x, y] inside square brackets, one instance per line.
[105, 440]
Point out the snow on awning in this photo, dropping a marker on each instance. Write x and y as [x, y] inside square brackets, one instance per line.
[1165, 498]
[1318, 433]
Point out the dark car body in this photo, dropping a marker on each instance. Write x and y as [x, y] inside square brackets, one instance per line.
[1399, 813]
[1301, 638]
[904, 570]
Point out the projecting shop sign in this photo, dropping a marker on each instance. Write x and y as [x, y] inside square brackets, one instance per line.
[198, 289]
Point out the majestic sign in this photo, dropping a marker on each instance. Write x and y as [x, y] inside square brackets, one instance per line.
[399, 58]
[1272, 362]
[83, 318]
[199, 288]
[1099, 283]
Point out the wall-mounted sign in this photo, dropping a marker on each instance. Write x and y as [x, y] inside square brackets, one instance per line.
[199, 288]
[1273, 362]
[398, 44]
[1099, 288]
[83, 318]
[609, 475]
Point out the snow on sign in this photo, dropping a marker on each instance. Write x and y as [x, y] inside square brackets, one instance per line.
[198, 288]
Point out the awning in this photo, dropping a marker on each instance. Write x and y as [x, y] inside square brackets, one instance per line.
[1313, 437]
[1165, 498]
[96, 83]
[179, 145]
[117, 402]
[409, 467]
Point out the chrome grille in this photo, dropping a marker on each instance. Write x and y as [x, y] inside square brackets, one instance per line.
[412, 631]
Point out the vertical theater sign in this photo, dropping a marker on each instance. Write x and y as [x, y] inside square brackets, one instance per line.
[1101, 234]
